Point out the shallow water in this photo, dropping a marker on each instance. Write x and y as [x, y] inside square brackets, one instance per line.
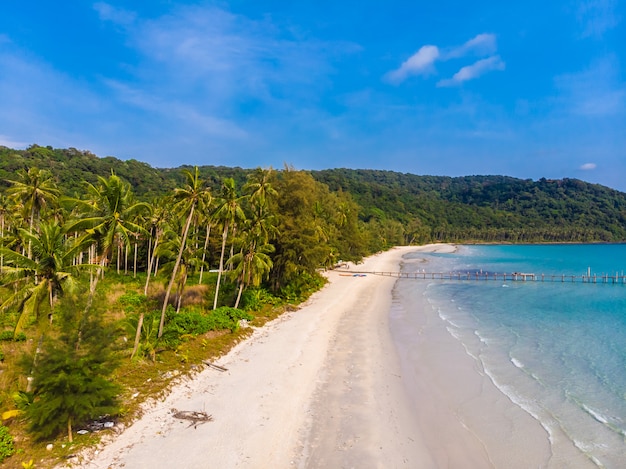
[558, 350]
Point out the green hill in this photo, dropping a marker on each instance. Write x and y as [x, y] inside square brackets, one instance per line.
[409, 207]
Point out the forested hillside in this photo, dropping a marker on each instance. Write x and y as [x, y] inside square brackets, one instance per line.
[400, 208]
[486, 208]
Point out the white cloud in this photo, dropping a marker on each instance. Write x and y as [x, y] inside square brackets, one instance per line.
[420, 63]
[473, 71]
[481, 45]
[588, 167]
[119, 16]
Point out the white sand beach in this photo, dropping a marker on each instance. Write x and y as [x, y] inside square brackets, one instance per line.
[326, 387]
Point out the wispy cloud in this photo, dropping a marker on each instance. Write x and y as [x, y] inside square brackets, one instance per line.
[420, 63]
[423, 61]
[473, 71]
[107, 12]
[597, 16]
[594, 92]
[481, 45]
[588, 167]
[186, 115]
[228, 58]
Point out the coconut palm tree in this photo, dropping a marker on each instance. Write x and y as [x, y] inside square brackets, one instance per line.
[251, 265]
[259, 186]
[34, 190]
[108, 215]
[228, 212]
[49, 272]
[194, 195]
[155, 223]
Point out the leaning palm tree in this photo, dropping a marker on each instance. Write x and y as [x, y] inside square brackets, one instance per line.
[194, 195]
[229, 212]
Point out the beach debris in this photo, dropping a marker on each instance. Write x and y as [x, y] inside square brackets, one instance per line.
[213, 365]
[195, 417]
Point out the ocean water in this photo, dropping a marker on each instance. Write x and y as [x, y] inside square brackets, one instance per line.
[556, 349]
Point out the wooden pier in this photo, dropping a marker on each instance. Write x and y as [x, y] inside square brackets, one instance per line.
[616, 279]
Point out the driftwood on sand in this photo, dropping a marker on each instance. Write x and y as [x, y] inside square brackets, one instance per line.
[196, 418]
[213, 365]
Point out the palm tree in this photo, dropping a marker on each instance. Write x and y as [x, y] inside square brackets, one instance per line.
[194, 195]
[156, 222]
[259, 186]
[251, 264]
[51, 271]
[229, 213]
[35, 190]
[208, 221]
[108, 215]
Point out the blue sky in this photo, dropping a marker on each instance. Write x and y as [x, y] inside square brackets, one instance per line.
[525, 89]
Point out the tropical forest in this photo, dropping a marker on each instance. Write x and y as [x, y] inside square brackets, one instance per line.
[117, 279]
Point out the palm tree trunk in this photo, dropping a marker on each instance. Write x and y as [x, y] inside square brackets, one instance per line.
[206, 245]
[176, 266]
[135, 260]
[221, 268]
[137, 335]
[151, 257]
[239, 295]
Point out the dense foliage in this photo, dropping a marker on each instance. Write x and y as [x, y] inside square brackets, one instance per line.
[485, 208]
[392, 208]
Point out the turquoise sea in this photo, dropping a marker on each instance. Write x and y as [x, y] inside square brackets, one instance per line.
[557, 350]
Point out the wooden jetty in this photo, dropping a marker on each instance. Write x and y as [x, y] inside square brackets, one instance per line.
[503, 277]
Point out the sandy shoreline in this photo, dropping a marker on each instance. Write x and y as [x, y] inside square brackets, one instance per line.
[325, 386]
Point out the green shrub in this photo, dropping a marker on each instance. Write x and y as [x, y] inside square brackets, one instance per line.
[9, 335]
[253, 299]
[7, 448]
[193, 323]
[20, 337]
[303, 286]
[131, 301]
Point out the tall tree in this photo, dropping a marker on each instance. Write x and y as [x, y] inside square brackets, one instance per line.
[195, 194]
[251, 265]
[108, 215]
[259, 186]
[35, 190]
[228, 212]
[46, 275]
[156, 222]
